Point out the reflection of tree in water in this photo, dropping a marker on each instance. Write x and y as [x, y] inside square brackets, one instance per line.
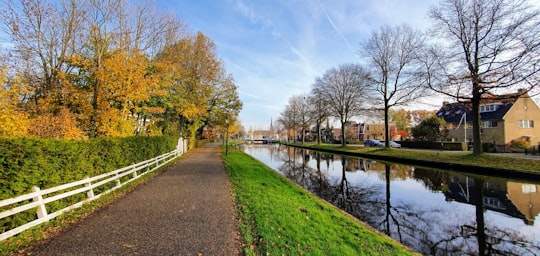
[295, 168]
[474, 236]
[434, 180]
[408, 222]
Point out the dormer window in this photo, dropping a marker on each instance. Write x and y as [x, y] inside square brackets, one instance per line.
[488, 108]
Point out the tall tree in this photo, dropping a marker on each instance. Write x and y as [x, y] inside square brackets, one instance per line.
[490, 46]
[395, 80]
[319, 113]
[197, 86]
[343, 90]
[303, 113]
[289, 118]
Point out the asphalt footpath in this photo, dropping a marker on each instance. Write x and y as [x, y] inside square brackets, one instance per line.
[186, 210]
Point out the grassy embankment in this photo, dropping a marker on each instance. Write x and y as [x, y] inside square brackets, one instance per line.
[464, 158]
[278, 217]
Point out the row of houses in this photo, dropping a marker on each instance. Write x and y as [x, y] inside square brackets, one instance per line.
[504, 119]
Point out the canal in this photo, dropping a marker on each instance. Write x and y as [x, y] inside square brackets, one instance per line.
[434, 212]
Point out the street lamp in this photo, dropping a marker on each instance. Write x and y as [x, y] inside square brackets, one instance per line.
[227, 137]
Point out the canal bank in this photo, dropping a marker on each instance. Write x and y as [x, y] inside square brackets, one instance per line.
[277, 217]
[433, 211]
[452, 160]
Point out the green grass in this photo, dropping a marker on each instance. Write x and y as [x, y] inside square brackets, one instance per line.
[278, 217]
[466, 158]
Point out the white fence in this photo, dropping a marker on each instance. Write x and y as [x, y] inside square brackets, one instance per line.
[38, 199]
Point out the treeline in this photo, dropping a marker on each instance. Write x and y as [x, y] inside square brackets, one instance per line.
[474, 50]
[87, 69]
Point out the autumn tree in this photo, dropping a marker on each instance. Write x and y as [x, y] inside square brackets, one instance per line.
[395, 80]
[343, 90]
[197, 86]
[13, 119]
[42, 35]
[69, 53]
[489, 46]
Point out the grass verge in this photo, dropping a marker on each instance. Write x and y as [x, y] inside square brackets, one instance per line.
[278, 217]
[17, 245]
[465, 158]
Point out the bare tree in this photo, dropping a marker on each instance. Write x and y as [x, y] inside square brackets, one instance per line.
[319, 113]
[395, 80]
[490, 46]
[289, 119]
[304, 113]
[342, 89]
[42, 34]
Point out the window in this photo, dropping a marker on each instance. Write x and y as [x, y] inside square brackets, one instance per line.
[488, 108]
[526, 124]
[489, 124]
[528, 188]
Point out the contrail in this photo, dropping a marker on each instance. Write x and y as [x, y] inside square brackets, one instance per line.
[335, 27]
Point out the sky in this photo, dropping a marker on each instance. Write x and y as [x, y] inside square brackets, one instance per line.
[275, 49]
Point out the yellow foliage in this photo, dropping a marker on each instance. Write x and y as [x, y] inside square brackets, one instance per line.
[60, 125]
[124, 82]
[13, 119]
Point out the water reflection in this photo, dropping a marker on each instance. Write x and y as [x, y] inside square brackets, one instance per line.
[432, 211]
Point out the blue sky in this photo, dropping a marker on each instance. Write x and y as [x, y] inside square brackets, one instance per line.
[277, 48]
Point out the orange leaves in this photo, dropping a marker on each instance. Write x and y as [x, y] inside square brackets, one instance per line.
[60, 125]
[13, 119]
[124, 82]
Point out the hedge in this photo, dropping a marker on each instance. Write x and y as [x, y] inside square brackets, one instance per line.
[460, 146]
[29, 162]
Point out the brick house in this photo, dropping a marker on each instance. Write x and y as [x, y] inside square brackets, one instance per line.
[502, 120]
[362, 131]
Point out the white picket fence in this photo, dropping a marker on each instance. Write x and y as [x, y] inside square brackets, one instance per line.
[38, 199]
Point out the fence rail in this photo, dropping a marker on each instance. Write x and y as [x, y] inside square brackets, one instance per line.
[38, 199]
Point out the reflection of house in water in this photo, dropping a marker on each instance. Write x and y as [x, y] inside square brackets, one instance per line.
[526, 197]
[514, 199]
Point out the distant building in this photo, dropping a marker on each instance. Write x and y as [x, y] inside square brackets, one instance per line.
[511, 118]
[364, 131]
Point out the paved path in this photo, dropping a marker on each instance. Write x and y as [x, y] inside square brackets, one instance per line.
[187, 210]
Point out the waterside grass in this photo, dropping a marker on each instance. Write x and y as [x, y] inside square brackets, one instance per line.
[277, 217]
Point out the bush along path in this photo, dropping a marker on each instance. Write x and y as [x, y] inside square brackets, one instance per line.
[278, 217]
[186, 210]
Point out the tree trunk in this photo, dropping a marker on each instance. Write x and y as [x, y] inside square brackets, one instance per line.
[477, 139]
[343, 134]
[318, 133]
[386, 127]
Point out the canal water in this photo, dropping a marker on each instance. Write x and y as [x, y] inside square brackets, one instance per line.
[434, 212]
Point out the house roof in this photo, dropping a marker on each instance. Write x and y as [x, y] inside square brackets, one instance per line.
[453, 112]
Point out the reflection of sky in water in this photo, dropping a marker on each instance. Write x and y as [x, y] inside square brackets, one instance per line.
[437, 214]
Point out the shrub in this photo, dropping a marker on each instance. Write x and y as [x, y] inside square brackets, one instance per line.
[520, 144]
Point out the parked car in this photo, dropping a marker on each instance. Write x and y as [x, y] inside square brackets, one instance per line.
[394, 144]
[373, 143]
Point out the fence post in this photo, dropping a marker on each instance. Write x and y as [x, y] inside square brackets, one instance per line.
[134, 171]
[41, 210]
[118, 183]
[90, 192]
